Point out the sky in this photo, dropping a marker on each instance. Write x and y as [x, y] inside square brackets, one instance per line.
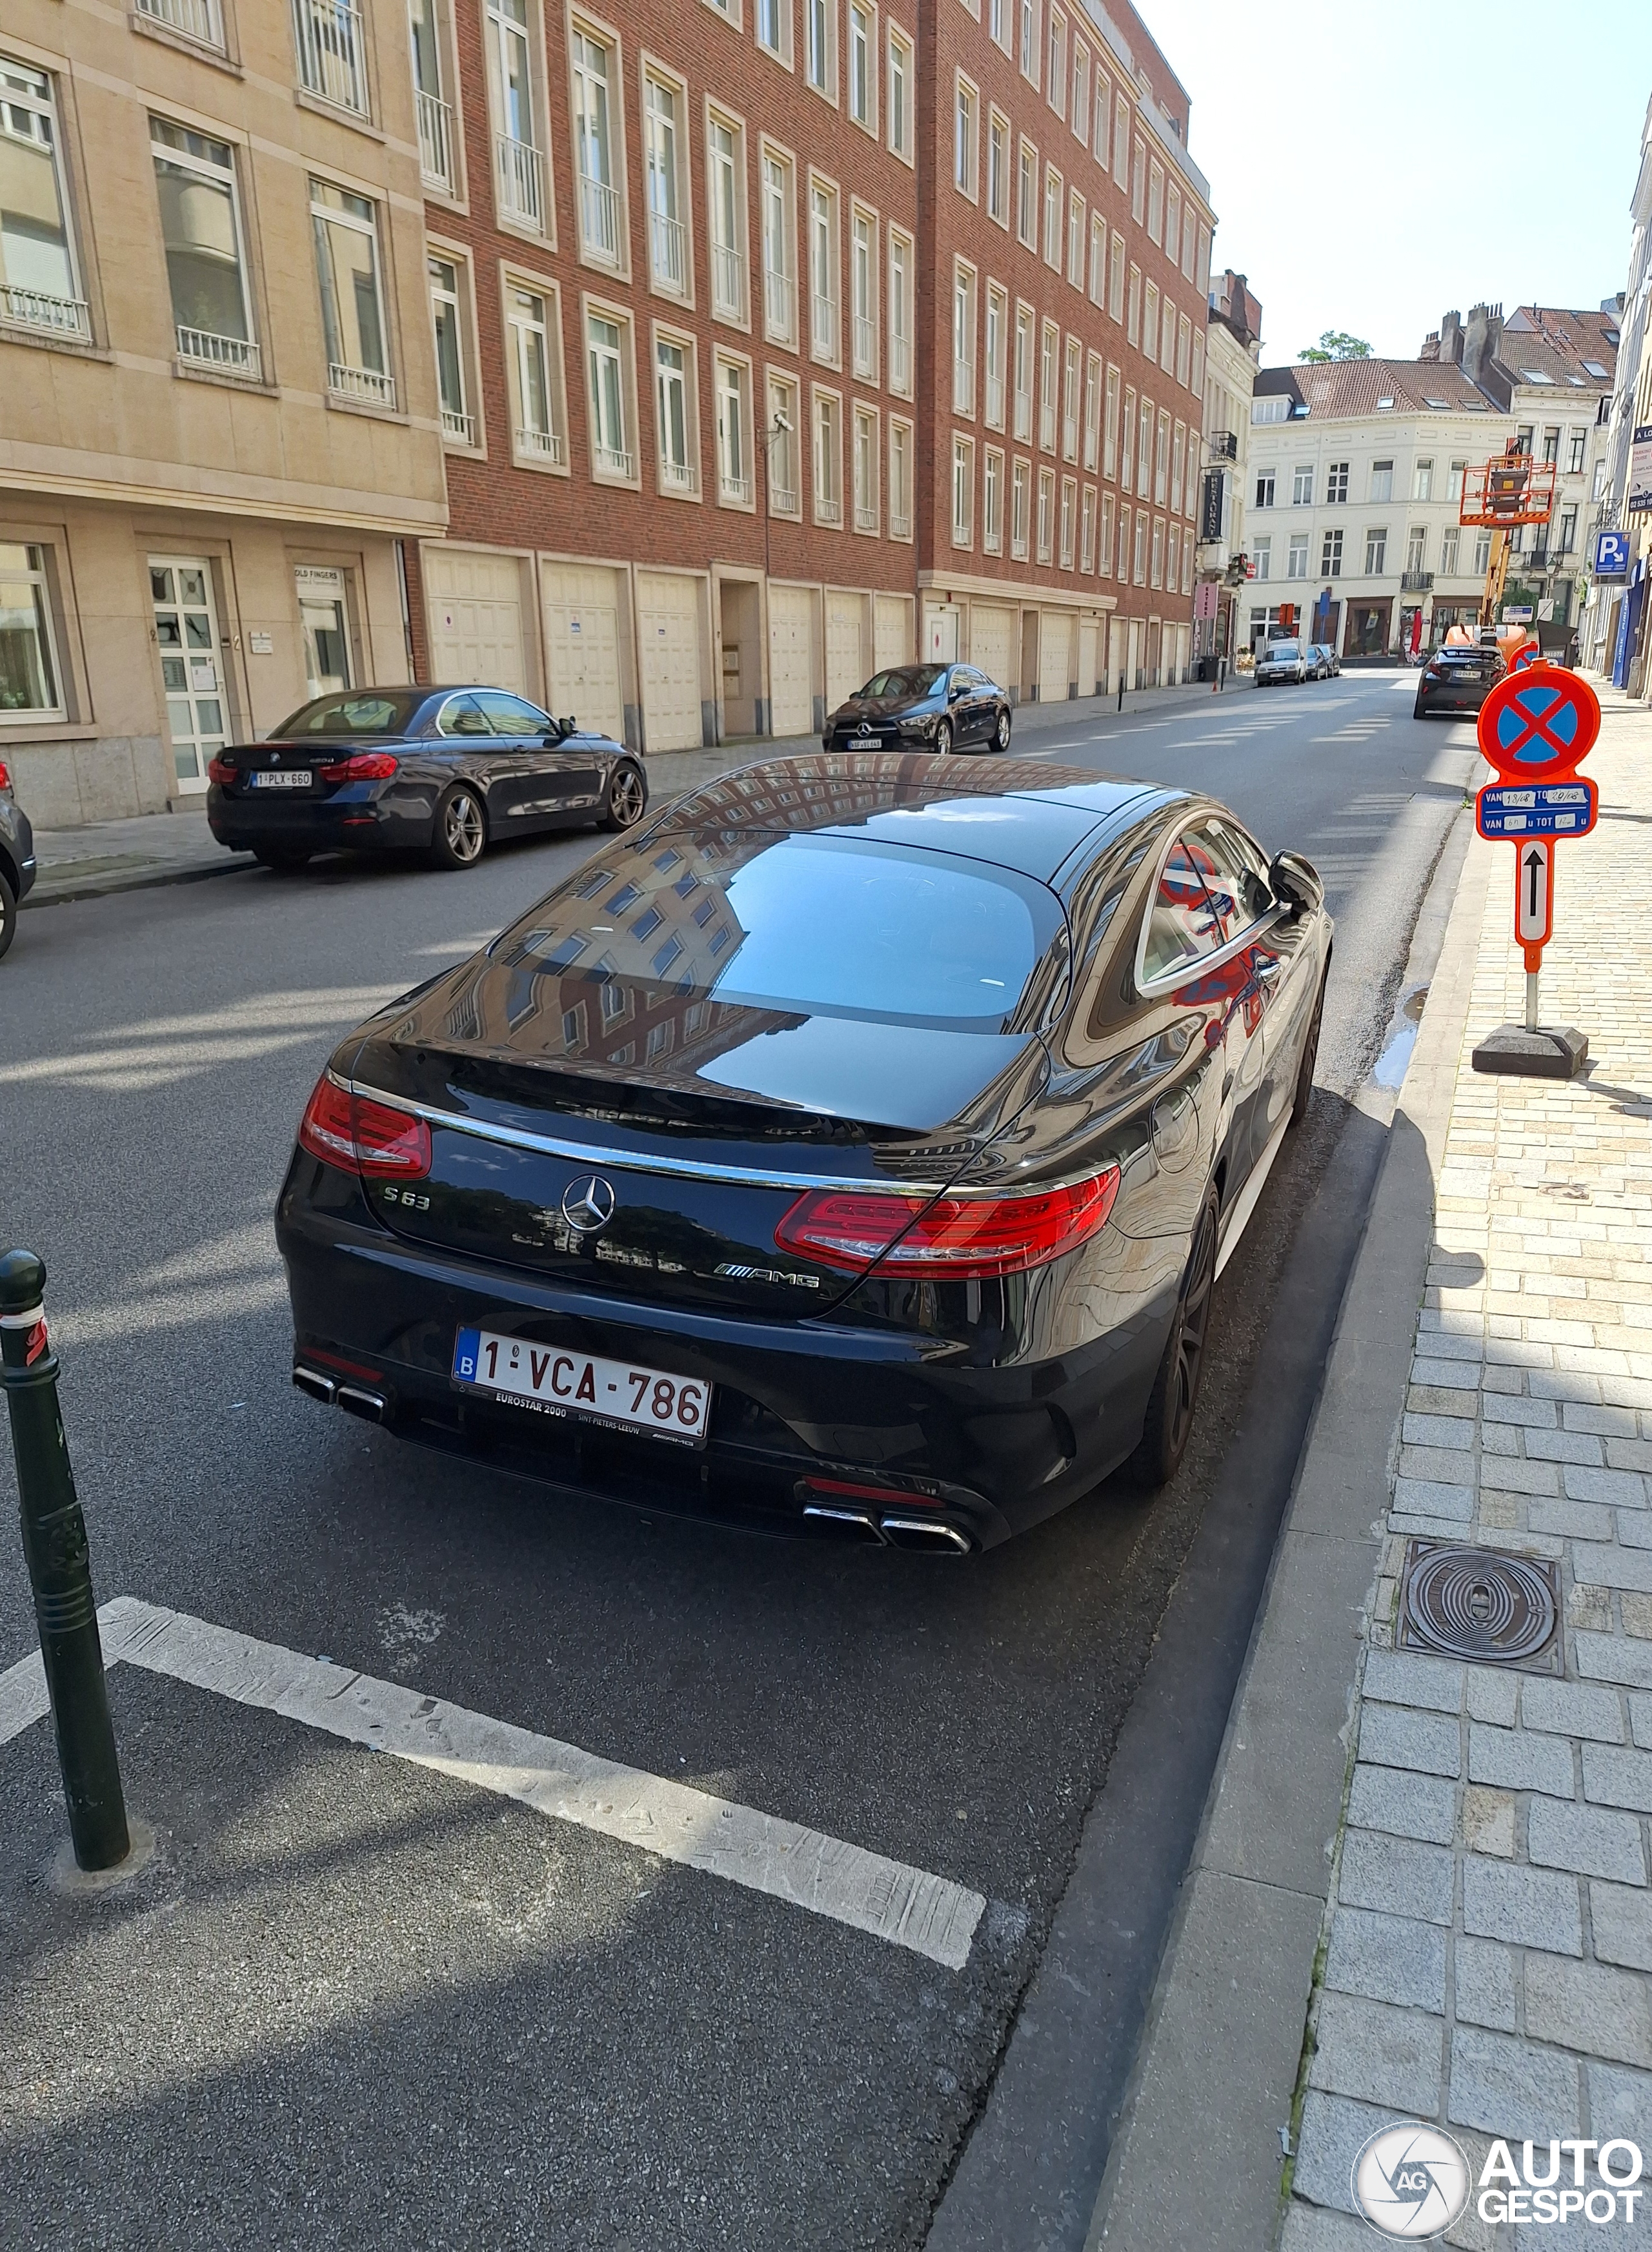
[1358, 171]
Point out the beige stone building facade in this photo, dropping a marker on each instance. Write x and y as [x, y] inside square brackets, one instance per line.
[218, 410]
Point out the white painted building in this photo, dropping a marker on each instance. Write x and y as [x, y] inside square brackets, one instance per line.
[1233, 345]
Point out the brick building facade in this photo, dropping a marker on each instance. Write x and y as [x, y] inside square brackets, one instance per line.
[728, 301]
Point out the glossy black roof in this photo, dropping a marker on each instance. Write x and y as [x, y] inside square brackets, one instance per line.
[1013, 813]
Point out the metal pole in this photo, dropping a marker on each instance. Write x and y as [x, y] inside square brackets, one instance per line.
[54, 1547]
[1120, 691]
[1531, 1000]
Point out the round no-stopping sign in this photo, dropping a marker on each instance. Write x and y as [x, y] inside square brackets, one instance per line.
[1537, 724]
[1526, 655]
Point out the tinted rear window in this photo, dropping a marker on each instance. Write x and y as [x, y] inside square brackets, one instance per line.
[365, 712]
[821, 925]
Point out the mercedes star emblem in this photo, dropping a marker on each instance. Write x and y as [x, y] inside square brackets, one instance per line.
[588, 1204]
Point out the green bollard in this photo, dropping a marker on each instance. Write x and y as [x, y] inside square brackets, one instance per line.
[54, 1547]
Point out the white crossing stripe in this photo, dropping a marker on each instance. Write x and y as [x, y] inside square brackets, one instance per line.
[909, 1908]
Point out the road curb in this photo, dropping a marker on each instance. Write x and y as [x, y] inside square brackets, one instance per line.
[148, 880]
[1197, 2156]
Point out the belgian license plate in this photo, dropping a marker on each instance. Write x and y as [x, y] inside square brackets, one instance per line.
[552, 1382]
[281, 778]
[862, 743]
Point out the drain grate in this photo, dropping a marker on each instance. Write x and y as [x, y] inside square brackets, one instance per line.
[1481, 1604]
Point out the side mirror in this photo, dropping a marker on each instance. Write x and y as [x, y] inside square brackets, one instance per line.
[1296, 882]
[956, 692]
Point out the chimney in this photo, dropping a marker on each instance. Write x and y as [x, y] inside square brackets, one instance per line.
[1451, 339]
[1481, 340]
[1430, 345]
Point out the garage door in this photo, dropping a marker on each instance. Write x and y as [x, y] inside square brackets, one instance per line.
[992, 642]
[668, 644]
[1086, 657]
[845, 657]
[582, 614]
[473, 604]
[891, 630]
[1055, 653]
[791, 660]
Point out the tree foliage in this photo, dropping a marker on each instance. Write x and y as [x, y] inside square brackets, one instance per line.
[1337, 343]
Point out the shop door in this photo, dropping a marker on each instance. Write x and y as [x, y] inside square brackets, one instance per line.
[321, 617]
[186, 630]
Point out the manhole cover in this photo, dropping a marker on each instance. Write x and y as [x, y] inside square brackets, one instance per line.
[1481, 1604]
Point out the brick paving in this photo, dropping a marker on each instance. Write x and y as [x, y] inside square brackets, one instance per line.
[1489, 1942]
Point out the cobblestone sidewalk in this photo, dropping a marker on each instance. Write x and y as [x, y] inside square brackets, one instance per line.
[1490, 1936]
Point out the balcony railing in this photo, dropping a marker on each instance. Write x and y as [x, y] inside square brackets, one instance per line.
[544, 443]
[38, 308]
[679, 477]
[728, 279]
[458, 425]
[865, 518]
[436, 140]
[611, 462]
[1024, 418]
[824, 327]
[899, 362]
[600, 219]
[963, 386]
[196, 19]
[521, 171]
[782, 500]
[1069, 439]
[332, 51]
[865, 346]
[233, 355]
[828, 509]
[1416, 582]
[1046, 431]
[1223, 445]
[994, 402]
[364, 384]
[779, 298]
[668, 250]
[735, 489]
[899, 527]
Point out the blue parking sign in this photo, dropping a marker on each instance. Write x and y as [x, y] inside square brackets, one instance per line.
[1610, 555]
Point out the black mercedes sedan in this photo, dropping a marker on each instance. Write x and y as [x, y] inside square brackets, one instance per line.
[940, 707]
[908, 1237]
[443, 771]
[1457, 680]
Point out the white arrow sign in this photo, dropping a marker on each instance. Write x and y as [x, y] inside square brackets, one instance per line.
[1535, 864]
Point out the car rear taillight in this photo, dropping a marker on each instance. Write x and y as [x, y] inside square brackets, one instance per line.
[360, 1136]
[222, 771]
[966, 1237]
[360, 766]
[5, 775]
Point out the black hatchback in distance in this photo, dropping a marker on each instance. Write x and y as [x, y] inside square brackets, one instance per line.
[851, 1150]
[931, 708]
[444, 771]
[1457, 680]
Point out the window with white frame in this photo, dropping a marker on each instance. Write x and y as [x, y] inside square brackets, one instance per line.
[205, 252]
[1196, 374]
[992, 502]
[780, 443]
[965, 106]
[864, 469]
[829, 458]
[780, 249]
[662, 147]
[901, 258]
[1156, 201]
[1178, 452]
[1048, 377]
[1143, 448]
[1053, 218]
[605, 340]
[1422, 480]
[1138, 559]
[734, 433]
[1027, 38]
[1449, 539]
[1262, 556]
[1151, 320]
[1578, 448]
[1483, 554]
[725, 188]
[1056, 79]
[674, 394]
[1376, 551]
[1172, 555]
[332, 51]
[1184, 352]
[1190, 233]
[863, 65]
[900, 449]
[1115, 280]
[820, 61]
[1101, 104]
[1454, 481]
[1027, 195]
[998, 167]
[1161, 461]
[1138, 182]
[963, 339]
[1167, 338]
[1020, 506]
[347, 267]
[1381, 481]
[1302, 485]
[1069, 512]
[1127, 441]
[1072, 361]
[996, 355]
[1104, 546]
[1133, 309]
[448, 312]
[1097, 260]
[1417, 549]
[823, 270]
[532, 360]
[862, 284]
[1046, 516]
[30, 681]
[1296, 556]
[1336, 485]
[1075, 238]
[1330, 557]
[1087, 530]
[1122, 140]
[1081, 89]
[775, 28]
[594, 72]
[519, 181]
[900, 93]
[1024, 351]
[39, 273]
[1110, 426]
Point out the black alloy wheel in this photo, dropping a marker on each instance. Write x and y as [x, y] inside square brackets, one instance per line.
[460, 834]
[1174, 1398]
[8, 915]
[943, 739]
[1304, 1094]
[1001, 732]
[285, 859]
[626, 798]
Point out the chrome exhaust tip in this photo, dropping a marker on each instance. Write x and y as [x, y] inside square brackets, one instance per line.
[842, 1524]
[325, 1388]
[356, 1400]
[926, 1533]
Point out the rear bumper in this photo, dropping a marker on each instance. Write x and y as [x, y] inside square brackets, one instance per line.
[16, 847]
[354, 819]
[986, 1451]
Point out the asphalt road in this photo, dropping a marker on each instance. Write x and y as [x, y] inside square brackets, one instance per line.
[354, 2001]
